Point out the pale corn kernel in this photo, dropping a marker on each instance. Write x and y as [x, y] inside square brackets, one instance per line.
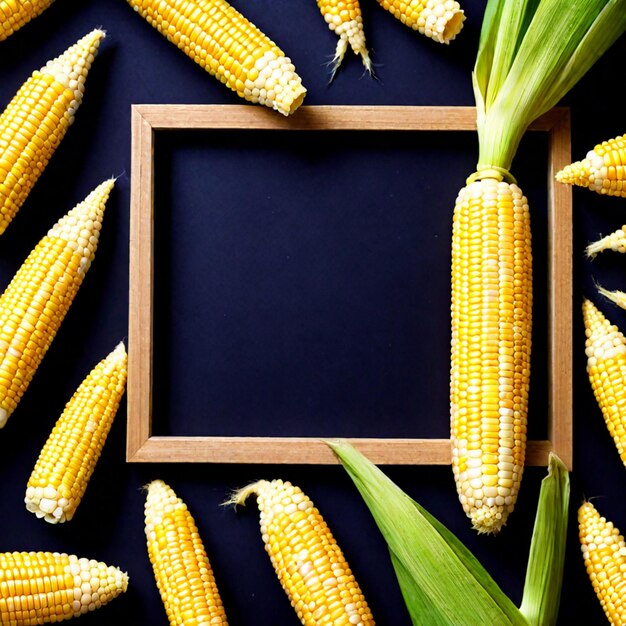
[231, 48]
[51, 584]
[38, 297]
[441, 20]
[73, 448]
[604, 554]
[344, 18]
[36, 119]
[616, 241]
[309, 564]
[181, 567]
[490, 348]
[606, 367]
[603, 170]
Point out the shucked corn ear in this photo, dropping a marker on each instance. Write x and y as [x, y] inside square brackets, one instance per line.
[604, 555]
[524, 67]
[603, 169]
[441, 20]
[43, 587]
[36, 119]
[606, 367]
[616, 241]
[223, 42]
[491, 341]
[36, 300]
[181, 567]
[69, 456]
[310, 565]
[344, 19]
[15, 13]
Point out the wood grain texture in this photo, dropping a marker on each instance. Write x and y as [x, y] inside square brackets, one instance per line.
[560, 259]
[147, 119]
[360, 118]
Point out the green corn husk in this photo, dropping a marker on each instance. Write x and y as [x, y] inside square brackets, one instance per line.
[530, 54]
[442, 583]
[544, 572]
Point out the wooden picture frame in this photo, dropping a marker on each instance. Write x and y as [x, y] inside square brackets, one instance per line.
[143, 446]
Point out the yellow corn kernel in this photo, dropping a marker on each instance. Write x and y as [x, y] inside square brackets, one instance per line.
[604, 555]
[603, 170]
[15, 13]
[344, 18]
[441, 20]
[43, 587]
[606, 367]
[36, 300]
[229, 47]
[69, 456]
[181, 567]
[310, 565]
[490, 349]
[37, 118]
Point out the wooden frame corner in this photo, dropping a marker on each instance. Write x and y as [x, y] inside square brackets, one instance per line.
[143, 446]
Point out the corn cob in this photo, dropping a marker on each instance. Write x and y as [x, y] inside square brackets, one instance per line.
[344, 18]
[35, 302]
[229, 47]
[606, 366]
[441, 20]
[181, 567]
[43, 587]
[68, 459]
[491, 337]
[16, 13]
[524, 67]
[36, 119]
[310, 565]
[604, 554]
[616, 241]
[603, 169]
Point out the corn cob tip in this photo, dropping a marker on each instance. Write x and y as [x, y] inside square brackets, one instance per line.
[72, 586]
[602, 170]
[592, 250]
[616, 242]
[70, 69]
[346, 22]
[335, 62]
[616, 297]
[239, 496]
[574, 174]
[82, 224]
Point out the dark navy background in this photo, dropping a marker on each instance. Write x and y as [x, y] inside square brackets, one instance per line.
[302, 288]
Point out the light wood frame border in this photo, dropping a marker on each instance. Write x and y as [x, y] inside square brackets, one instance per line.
[142, 446]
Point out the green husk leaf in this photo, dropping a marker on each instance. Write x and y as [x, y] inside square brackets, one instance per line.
[440, 579]
[544, 573]
[529, 58]
[503, 29]
[415, 599]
